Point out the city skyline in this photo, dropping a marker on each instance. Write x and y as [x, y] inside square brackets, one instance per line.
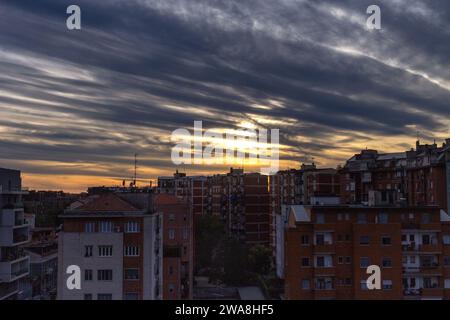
[75, 106]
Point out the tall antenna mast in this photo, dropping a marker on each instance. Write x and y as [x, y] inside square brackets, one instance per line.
[135, 169]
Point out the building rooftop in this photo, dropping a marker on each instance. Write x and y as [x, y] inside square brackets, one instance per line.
[167, 199]
[108, 202]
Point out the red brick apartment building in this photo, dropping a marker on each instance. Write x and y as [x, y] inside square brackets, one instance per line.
[178, 244]
[193, 189]
[328, 249]
[115, 239]
[417, 177]
[307, 185]
[391, 211]
[241, 199]
[244, 205]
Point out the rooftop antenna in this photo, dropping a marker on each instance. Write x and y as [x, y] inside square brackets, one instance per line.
[135, 169]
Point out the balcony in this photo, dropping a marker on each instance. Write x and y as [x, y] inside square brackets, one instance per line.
[325, 271]
[434, 292]
[14, 236]
[13, 270]
[13, 190]
[432, 247]
[410, 247]
[325, 247]
[7, 290]
[411, 293]
[12, 254]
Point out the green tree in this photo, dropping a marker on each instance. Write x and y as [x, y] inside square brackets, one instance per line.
[209, 234]
[260, 260]
[234, 262]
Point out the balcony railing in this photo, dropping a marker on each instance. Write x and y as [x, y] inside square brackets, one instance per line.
[20, 238]
[8, 289]
[412, 292]
[12, 256]
[19, 272]
[20, 222]
[432, 265]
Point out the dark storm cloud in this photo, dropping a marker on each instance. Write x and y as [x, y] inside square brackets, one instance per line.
[139, 69]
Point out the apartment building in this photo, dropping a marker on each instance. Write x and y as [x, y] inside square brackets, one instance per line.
[328, 248]
[178, 246]
[14, 232]
[241, 199]
[115, 239]
[43, 252]
[245, 206]
[193, 189]
[416, 178]
[307, 185]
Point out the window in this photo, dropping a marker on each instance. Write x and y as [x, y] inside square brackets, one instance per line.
[305, 262]
[131, 296]
[387, 284]
[446, 238]
[383, 218]
[171, 234]
[88, 275]
[386, 262]
[447, 283]
[131, 251]
[320, 218]
[347, 216]
[348, 260]
[132, 227]
[320, 239]
[411, 216]
[404, 238]
[306, 284]
[364, 285]
[106, 226]
[105, 251]
[364, 262]
[104, 275]
[305, 240]
[425, 218]
[170, 270]
[348, 281]
[340, 260]
[447, 261]
[88, 251]
[339, 216]
[364, 240]
[386, 240]
[426, 239]
[88, 296]
[428, 283]
[320, 262]
[348, 237]
[89, 227]
[324, 283]
[185, 233]
[131, 274]
[340, 238]
[362, 218]
[104, 296]
[412, 259]
[171, 217]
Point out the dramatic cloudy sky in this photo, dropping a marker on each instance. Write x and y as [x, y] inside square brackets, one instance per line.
[76, 105]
